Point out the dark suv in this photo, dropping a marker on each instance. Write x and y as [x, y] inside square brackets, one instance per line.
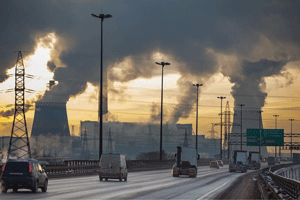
[23, 173]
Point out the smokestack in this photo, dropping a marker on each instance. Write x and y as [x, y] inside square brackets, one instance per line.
[251, 119]
[50, 118]
[51, 84]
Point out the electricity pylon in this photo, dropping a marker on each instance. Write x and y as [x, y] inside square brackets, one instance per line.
[19, 143]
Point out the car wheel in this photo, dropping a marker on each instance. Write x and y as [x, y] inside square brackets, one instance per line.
[4, 188]
[100, 178]
[15, 189]
[35, 187]
[106, 179]
[44, 188]
[120, 179]
[125, 179]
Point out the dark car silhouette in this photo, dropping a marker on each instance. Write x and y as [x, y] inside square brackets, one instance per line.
[23, 173]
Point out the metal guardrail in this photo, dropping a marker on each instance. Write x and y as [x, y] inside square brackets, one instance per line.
[266, 189]
[88, 167]
[72, 168]
[277, 186]
[290, 186]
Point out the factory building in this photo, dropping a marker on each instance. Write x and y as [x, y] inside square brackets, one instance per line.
[134, 139]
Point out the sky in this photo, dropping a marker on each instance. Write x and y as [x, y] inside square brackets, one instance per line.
[247, 51]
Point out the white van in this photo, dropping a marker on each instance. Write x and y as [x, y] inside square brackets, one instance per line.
[112, 166]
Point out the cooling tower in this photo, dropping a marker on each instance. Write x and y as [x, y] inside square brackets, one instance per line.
[250, 120]
[50, 119]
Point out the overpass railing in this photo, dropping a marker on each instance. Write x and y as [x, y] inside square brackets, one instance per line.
[278, 186]
[69, 168]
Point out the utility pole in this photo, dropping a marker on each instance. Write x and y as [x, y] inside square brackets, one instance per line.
[291, 137]
[197, 85]
[19, 143]
[161, 105]
[276, 128]
[221, 156]
[241, 125]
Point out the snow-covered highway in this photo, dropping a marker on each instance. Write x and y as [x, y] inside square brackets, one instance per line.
[157, 184]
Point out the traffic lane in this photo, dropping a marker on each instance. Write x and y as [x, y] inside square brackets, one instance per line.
[141, 184]
[202, 187]
[90, 185]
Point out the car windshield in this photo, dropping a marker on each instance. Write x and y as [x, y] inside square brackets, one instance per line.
[16, 166]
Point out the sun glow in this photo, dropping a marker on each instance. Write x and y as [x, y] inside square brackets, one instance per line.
[36, 75]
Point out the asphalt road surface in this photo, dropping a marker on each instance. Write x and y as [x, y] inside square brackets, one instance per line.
[158, 184]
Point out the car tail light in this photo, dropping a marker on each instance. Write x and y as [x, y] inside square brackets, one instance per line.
[99, 168]
[3, 167]
[120, 169]
[30, 167]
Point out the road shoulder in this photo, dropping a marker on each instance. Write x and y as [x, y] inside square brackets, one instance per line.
[242, 188]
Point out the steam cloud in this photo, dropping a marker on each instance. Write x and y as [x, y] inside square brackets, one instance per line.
[260, 35]
[7, 113]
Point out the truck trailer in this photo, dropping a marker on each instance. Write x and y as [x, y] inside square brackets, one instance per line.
[186, 162]
[253, 160]
[239, 161]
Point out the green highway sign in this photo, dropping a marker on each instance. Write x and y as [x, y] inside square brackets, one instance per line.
[269, 137]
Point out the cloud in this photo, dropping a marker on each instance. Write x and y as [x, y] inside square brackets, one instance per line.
[260, 35]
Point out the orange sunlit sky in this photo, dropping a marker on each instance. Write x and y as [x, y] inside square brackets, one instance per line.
[141, 93]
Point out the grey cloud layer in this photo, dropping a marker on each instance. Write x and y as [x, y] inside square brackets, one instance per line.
[185, 30]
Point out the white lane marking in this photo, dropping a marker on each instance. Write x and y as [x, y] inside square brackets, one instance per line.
[213, 190]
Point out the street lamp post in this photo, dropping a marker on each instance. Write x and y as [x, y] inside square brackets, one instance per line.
[241, 125]
[276, 128]
[259, 126]
[291, 137]
[221, 156]
[102, 17]
[197, 85]
[161, 107]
